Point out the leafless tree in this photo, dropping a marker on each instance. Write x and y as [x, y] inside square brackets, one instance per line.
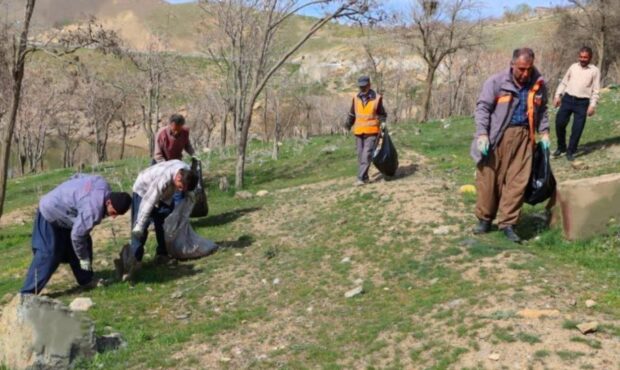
[14, 50]
[440, 29]
[595, 23]
[246, 46]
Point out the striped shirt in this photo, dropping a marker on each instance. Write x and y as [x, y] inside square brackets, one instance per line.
[156, 184]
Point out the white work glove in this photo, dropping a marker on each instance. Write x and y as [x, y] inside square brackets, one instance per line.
[544, 140]
[137, 232]
[383, 126]
[86, 265]
[483, 145]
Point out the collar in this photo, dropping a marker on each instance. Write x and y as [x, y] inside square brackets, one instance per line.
[371, 94]
[509, 84]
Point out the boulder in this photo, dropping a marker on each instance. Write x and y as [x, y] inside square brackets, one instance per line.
[243, 195]
[585, 206]
[42, 333]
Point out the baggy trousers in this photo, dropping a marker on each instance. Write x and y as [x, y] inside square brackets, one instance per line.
[51, 246]
[158, 217]
[502, 176]
[578, 107]
[365, 147]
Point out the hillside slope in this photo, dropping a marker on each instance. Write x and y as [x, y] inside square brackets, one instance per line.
[435, 297]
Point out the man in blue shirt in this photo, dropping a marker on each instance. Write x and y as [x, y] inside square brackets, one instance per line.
[62, 225]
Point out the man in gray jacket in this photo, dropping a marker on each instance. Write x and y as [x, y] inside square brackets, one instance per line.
[511, 107]
[62, 225]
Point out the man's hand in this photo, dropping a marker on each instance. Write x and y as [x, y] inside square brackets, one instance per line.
[86, 265]
[383, 125]
[545, 140]
[556, 101]
[591, 111]
[137, 232]
[483, 145]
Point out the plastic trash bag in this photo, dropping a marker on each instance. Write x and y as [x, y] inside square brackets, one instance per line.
[385, 157]
[542, 183]
[201, 207]
[181, 240]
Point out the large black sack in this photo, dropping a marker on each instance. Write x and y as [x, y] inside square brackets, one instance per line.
[385, 157]
[201, 207]
[542, 183]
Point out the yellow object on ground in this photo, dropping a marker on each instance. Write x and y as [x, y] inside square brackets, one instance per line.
[467, 189]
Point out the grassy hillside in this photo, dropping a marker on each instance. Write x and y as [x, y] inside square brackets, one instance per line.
[273, 297]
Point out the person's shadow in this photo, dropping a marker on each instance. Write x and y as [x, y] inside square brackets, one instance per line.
[223, 218]
[589, 147]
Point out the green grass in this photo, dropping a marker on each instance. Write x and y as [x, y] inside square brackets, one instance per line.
[299, 234]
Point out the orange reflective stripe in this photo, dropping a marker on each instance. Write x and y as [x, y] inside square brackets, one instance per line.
[531, 110]
[504, 99]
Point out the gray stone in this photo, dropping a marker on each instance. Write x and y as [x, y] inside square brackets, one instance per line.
[354, 292]
[262, 193]
[329, 149]
[223, 184]
[82, 304]
[345, 260]
[455, 303]
[42, 333]
[276, 281]
[243, 195]
[590, 303]
[494, 356]
[176, 295]
[110, 342]
[588, 327]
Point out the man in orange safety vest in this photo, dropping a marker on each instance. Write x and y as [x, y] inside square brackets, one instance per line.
[367, 117]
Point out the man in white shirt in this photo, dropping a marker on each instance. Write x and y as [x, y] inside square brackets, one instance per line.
[155, 192]
[577, 94]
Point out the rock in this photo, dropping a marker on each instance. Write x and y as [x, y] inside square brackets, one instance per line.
[261, 357]
[81, 304]
[358, 281]
[536, 314]
[442, 230]
[238, 254]
[262, 193]
[585, 205]
[579, 165]
[433, 281]
[110, 342]
[276, 281]
[494, 356]
[346, 260]
[467, 189]
[590, 303]
[223, 184]
[329, 149]
[176, 295]
[455, 303]
[225, 359]
[149, 289]
[243, 195]
[353, 292]
[183, 316]
[588, 327]
[41, 333]
[341, 222]
[572, 302]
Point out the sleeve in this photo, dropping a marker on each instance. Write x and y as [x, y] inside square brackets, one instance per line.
[151, 197]
[562, 86]
[351, 116]
[158, 154]
[381, 111]
[484, 108]
[543, 113]
[89, 214]
[596, 86]
[188, 147]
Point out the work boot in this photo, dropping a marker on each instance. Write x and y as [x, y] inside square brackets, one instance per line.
[511, 235]
[482, 227]
[570, 157]
[558, 152]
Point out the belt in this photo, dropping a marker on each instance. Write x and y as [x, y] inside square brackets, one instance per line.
[575, 98]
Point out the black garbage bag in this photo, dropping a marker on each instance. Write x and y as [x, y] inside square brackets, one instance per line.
[385, 157]
[201, 207]
[542, 182]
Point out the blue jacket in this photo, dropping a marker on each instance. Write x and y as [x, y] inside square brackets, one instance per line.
[77, 204]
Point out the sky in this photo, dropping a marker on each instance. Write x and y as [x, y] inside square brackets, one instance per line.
[490, 8]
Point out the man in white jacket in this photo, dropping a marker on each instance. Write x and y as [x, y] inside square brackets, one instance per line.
[155, 192]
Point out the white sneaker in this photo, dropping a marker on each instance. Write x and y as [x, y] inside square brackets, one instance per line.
[360, 183]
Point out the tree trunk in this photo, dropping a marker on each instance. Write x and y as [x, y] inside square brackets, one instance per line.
[276, 132]
[242, 143]
[8, 127]
[123, 136]
[223, 129]
[428, 91]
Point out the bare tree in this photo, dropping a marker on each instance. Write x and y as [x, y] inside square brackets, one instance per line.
[440, 29]
[246, 47]
[14, 51]
[595, 23]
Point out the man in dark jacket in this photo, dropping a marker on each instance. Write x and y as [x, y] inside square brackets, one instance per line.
[511, 107]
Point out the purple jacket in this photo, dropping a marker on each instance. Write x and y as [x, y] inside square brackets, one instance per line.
[77, 204]
[493, 114]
